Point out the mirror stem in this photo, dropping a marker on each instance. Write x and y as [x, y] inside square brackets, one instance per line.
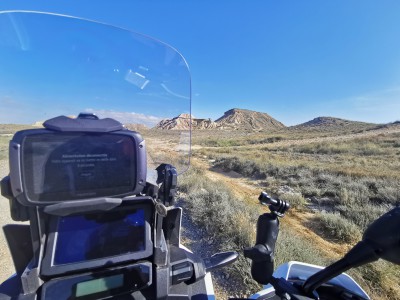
[360, 254]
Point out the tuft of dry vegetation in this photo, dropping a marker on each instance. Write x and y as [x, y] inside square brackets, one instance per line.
[225, 218]
[341, 229]
[4, 141]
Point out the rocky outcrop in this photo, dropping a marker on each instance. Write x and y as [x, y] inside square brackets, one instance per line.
[203, 124]
[182, 122]
[247, 119]
[234, 119]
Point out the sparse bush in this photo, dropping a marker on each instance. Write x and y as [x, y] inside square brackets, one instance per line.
[378, 277]
[291, 246]
[339, 228]
[272, 139]
[219, 142]
[356, 147]
[214, 207]
[358, 178]
[242, 166]
[225, 219]
[364, 214]
[232, 223]
[295, 200]
[311, 181]
[191, 180]
[387, 192]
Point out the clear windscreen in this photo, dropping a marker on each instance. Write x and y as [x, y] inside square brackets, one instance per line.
[53, 65]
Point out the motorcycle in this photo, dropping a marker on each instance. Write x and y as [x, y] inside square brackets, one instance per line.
[97, 184]
[97, 195]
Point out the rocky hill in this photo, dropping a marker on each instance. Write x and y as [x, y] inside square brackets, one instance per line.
[182, 122]
[247, 119]
[330, 123]
[233, 119]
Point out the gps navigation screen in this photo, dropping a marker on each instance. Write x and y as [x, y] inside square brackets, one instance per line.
[97, 236]
[74, 166]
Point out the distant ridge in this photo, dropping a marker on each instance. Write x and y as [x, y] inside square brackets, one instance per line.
[237, 118]
[330, 123]
[249, 120]
[233, 119]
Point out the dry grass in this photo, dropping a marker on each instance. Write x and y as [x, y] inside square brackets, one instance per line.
[13, 128]
[231, 222]
[4, 140]
[356, 179]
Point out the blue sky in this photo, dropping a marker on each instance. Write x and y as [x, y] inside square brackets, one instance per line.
[295, 60]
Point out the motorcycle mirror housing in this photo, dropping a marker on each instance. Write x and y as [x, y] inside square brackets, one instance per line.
[380, 240]
[383, 235]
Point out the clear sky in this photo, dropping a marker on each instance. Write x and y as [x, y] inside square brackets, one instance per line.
[295, 60]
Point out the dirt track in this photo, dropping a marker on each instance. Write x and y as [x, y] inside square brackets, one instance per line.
[249, 189]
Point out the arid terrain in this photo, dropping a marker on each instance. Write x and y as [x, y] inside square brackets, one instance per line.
[337, 174]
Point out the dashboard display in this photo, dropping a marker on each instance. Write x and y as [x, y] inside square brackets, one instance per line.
[99, 285]
[97, 236]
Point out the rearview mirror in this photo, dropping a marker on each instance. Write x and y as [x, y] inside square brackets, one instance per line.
[383, 235]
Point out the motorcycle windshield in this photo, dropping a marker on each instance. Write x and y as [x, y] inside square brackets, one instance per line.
[52, 65]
